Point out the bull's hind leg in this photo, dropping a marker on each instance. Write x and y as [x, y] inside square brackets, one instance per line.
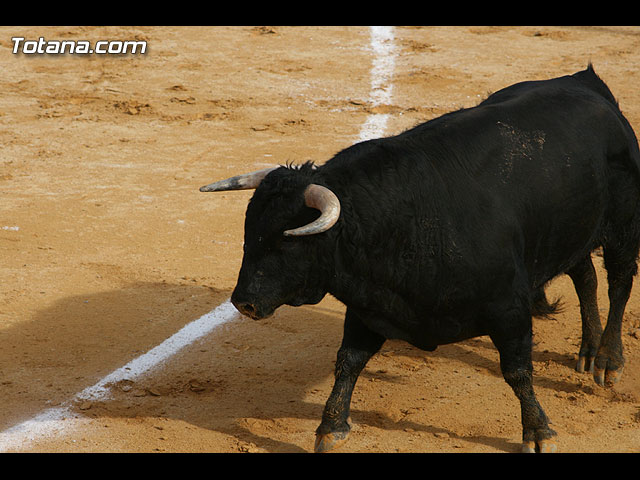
[359, 344]
[621, 241]
[511, 333]
[584, 278]
[620, 262]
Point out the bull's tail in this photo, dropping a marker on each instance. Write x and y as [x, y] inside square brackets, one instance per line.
[540, 305]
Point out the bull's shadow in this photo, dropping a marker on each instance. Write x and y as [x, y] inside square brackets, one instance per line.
[242, 374]
[75, 341]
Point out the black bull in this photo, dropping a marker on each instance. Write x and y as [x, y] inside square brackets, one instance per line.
[451, 230]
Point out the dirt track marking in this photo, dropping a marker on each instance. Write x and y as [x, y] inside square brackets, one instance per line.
[55, 421]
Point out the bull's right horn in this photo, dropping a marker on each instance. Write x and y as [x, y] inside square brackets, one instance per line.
[323, 199]
[247, 181]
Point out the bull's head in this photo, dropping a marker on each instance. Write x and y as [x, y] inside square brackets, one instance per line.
[283, 262]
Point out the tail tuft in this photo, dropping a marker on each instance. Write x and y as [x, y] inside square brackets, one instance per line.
[541, 307]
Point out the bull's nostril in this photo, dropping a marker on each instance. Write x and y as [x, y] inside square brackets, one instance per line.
[246, 308]
[250, 309]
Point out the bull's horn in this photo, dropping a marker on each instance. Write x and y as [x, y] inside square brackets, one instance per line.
[323, 199]
[247, 181]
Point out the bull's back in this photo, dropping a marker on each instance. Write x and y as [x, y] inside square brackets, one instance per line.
[556, 147]
[532, 165]
[525, 173]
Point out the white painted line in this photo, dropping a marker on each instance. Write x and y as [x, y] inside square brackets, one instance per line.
[191, 332]
[55, 421]
[46, 424]
[381, 80]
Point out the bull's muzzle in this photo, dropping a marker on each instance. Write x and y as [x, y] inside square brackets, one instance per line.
[250, 310]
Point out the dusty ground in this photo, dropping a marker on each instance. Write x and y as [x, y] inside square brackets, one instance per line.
[115, 250]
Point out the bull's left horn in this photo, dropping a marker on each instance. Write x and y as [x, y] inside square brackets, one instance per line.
[323, 199]
[247, 181]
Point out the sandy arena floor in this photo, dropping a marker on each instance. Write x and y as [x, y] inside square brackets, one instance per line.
[108, 248]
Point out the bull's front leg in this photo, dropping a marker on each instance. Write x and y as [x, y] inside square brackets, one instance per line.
[359, 344]
[512, 335]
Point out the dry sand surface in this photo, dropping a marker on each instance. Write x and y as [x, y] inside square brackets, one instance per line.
[108, 247]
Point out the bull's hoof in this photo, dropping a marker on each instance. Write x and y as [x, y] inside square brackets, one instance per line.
[606, 374]
[330, 441]
[607, 378]
[548, 445]
[583, 361]
[539, 440]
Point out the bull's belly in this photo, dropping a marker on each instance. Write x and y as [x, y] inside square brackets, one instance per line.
[429, 333]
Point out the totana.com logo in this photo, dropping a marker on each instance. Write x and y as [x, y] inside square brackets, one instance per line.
[58, 47]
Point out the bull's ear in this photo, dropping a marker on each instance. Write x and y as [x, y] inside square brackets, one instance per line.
[247, 181]
[323, 199]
